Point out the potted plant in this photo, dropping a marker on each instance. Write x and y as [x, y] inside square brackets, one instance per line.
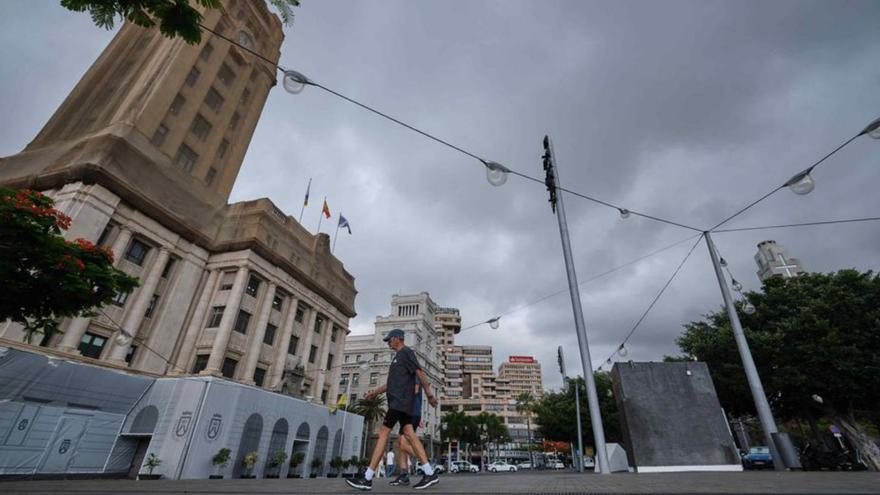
[335, 467]
[354, 462]
[295, 460]
[275, 463]
[220, 460]
[316, 465]
[151, 463]
[249, 461]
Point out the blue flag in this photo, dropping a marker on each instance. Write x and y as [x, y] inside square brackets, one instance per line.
[344, 223]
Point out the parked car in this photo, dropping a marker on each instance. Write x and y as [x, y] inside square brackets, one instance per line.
[757, 458]
[464, 467]
[500, 466]
[555, 465]
[524, 465]
[588, 463]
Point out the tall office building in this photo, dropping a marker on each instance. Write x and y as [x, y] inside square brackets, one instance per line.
[142, 155]
[774, 261]
[523, 375]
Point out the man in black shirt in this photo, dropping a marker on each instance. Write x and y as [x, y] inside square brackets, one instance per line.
[400, 390]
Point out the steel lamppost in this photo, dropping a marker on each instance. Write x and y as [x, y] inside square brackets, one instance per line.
[577, 408]
[556, 203]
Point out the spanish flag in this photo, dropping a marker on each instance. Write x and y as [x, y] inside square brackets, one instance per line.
[326, 209]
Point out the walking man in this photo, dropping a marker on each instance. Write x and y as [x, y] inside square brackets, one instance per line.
[400, 390]
[406, 450]
[389, 463]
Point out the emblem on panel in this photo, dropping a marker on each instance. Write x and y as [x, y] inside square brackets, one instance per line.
[64, 447]
[183, 423]
[214, 426]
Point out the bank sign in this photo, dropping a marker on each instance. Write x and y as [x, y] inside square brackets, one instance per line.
[522, 359]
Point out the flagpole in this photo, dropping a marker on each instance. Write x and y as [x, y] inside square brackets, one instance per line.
[335, 234]
[321, 218]
[305, 202]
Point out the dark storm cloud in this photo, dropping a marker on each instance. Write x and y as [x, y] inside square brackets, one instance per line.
[685, 110]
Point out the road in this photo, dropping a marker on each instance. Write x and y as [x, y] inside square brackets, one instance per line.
[567, 482]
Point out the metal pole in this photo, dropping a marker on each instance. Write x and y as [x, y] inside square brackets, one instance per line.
[583, 344]
[577, 409]
[768, 425]
[345, 415]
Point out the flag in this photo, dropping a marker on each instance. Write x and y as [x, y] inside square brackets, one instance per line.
[326, 209]
[340, 404]
[344, 223]
[306, 202]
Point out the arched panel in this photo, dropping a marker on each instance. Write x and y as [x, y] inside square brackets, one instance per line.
[278, 441]
[337, 445]
[321, 448]
[145, 421]
[250, 442]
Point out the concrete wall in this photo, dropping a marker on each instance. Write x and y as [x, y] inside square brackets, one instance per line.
[671, 418]
[65, 417]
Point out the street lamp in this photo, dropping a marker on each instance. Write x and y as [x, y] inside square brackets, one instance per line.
[496, 173]
[363, 366]
[294, 82]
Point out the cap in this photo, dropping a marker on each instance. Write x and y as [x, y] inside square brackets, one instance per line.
[394, 333]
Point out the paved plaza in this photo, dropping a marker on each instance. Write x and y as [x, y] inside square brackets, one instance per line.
[521, 483]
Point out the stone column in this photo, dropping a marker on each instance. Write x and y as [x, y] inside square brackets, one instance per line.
[321, 375]
[135, 314]
[221, 339]
[276, 373]
[197, 322]
[78, 326]
[308, 337]
[337, 370]
[120, 244]
[256, 343]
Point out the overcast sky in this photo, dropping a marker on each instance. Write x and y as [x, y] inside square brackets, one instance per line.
[684, 110]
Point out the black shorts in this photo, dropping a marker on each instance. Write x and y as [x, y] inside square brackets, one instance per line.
[393, 416]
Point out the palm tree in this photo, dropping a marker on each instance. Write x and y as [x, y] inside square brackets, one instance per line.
[525, 404]
[372, 410]
[453, 426]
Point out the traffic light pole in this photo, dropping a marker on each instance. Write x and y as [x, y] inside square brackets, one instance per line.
[556, 202]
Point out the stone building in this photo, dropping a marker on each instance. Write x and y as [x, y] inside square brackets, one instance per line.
[774, 261]
[522, 374]
[142, 155]
[368, 357]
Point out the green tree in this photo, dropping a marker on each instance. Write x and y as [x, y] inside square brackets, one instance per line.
[525, 405]
[174, 17]
[46, 277]
[372, 410]
[813, 335]
[555, 412]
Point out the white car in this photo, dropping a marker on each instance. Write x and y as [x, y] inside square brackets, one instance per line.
[500, 466]
[524, 465]
[588, 463]
[555, 465]
[464, 467]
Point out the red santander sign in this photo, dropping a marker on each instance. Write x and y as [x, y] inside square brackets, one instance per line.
[522, 359]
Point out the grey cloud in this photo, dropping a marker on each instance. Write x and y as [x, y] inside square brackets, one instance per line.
[683, 109]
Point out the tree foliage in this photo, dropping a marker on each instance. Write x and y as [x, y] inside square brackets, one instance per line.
[175, 18]
[816, 334]
[555, 413]
[46, 277]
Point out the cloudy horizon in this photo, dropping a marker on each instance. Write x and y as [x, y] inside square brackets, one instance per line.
[687, 110]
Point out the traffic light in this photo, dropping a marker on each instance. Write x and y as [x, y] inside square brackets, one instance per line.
[550, 178]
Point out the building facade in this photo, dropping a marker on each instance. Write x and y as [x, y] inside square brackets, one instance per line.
[142, 155]
[367, 359]
[774, 261]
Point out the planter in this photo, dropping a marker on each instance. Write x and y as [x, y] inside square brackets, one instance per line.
[291, 475]
[149, 476]
[272, 476]
[247, 476]
[348, 475]
[313, 476]
[215, 477]
[332, 475]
